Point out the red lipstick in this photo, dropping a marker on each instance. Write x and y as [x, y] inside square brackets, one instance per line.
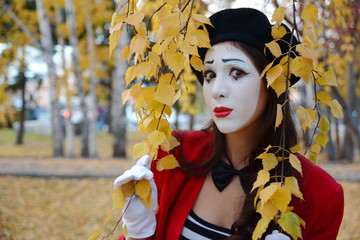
[222, 112]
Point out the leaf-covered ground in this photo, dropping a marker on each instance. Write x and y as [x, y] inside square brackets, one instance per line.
[53, 208]
[56, 208]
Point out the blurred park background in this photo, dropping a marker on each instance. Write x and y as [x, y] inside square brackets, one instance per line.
[65, 134]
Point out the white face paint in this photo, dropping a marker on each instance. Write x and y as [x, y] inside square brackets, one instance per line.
[232, 88]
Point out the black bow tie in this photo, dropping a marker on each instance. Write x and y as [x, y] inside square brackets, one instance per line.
[223, 173]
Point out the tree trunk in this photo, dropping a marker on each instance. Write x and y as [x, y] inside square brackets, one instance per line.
[69, 126]
[93, 82]
[47, 44]
[71, 23]
[118, 116]
[22, 83]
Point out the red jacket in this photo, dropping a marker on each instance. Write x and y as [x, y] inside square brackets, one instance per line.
[322, 208]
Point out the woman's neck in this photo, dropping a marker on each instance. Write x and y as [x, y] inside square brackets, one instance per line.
[240, 144]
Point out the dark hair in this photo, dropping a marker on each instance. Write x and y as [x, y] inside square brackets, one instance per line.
[268, 135]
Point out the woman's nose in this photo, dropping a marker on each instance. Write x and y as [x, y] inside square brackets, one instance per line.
[219, 88]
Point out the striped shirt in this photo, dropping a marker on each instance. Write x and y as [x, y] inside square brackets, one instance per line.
[196, 228]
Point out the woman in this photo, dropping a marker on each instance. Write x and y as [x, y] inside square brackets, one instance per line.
[205, 199]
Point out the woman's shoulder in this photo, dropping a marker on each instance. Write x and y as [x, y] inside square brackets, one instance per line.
[194, 146]
[317, 185]
[323, 204]
[314, 176]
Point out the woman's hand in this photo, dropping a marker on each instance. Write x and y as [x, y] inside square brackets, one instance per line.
[139, 220]
[275, 235]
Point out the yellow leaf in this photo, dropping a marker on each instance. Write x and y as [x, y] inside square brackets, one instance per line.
[316, 148]
[168, 162]
[113, 41]
[268, 210]
[173, 3]
[140, 149]
[295, 163]
[169, 79]
[94, 235]
[273, 73]
[173, 142]
[125, 52]
[268, 192]
[278, 32]
[128, 189]
[336, 109]
[322, 139]
[269, 161]
[148, 202]
[260, 228]
[165, 127]
[306, 52]
[135, 19]
[278, 15]
[281, 199]
[138, 44]
[175, 62]
[323, 97]
[279, 115]
[157, 49]
[142, 189]
[156, 138]
[165, 94]
[171, 24]
[130, 74]
[330, 78]
[155, 58]
[203, 38]
[197, 63]
[295, 148]
[305, 117]
[290, 223]
[187, 48]
[274, 48]
[202, 19]
[302, 67]
[279, 85]
[108, 219]
[125, 95]
[310, 13]
[262, 178]
[324, 124]
[118, 199]
[292, 185]
[144, 69]
[266, 69]
[312, 114]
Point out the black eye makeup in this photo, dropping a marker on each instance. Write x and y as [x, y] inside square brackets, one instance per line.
[208, 75]
[237, 73]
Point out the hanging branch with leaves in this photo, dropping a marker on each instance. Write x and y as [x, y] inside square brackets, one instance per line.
[273, 197]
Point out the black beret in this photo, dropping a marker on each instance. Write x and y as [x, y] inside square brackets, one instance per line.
[244, 25]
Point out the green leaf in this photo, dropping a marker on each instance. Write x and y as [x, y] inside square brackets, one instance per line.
[290, 223]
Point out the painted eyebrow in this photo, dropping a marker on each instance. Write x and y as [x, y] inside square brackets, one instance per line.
[231, 59]
[209, 62]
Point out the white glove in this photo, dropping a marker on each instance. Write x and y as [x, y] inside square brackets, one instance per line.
[275, 235]
[139, 220]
